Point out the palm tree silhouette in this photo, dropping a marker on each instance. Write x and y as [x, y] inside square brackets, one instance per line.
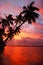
[19, 19]
[29, 13]
[4, 23]
[2, 44]
[9, 19]
[31, 7]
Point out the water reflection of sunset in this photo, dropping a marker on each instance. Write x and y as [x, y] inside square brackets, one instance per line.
[24, 55]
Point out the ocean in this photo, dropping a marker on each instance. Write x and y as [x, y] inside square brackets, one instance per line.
[18, 55]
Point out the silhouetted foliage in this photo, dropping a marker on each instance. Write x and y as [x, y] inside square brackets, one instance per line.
[27, 15]
[9, 20]
[19, 19]
[31, 7]
[2, 44]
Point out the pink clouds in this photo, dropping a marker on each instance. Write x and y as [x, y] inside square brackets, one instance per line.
[41, 11]
[9, 9]
[32, 36]
[27, 39]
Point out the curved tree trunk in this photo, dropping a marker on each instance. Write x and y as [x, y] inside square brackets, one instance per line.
[2, 45]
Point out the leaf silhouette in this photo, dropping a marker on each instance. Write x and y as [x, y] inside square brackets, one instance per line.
[29, 13]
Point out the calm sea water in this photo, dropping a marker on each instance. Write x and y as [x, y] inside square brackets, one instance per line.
[22, 56]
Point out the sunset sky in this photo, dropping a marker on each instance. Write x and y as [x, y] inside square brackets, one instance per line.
[30, 34]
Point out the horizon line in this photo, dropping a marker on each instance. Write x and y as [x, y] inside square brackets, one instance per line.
[25, 45]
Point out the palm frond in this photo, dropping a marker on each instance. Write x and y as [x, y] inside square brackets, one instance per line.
[36, 15]
[31, 4]
[24, 7]
[17, 30]
[35, 8]
[11, 22]
[31, 7]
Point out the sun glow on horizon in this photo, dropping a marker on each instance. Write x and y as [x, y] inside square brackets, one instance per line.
[25, 35]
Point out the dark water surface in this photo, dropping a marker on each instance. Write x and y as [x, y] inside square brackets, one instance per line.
[22, 56]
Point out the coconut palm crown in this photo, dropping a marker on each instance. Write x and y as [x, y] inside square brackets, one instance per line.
[29, 13]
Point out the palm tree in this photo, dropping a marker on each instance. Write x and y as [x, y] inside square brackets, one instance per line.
[5, 23]
[2, 44]
[19, 19]
[9, 19]
[29, 13]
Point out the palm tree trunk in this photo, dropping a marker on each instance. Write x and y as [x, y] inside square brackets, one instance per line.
[6, 39]
[12, 33]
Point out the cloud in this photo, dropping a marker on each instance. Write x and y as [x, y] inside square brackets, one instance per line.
[26, 40]
[31, 35]
[42, 3]
[31, 42]
[7, 8]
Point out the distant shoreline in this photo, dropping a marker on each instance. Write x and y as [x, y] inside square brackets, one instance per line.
[24, 46]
